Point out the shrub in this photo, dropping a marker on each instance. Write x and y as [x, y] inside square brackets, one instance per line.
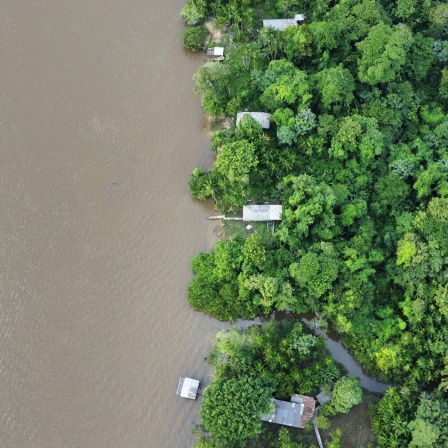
[194, 12]
[193, 37]
[346, 394]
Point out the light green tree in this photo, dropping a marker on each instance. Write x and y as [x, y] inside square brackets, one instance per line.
[335, 441]
[346, 394]
[309, 207]
[383, 53]
[236, 160]
[254, 251]
[430, 426]
[298, 43]
[284, 85]
[358, 135]
[193, 37]
[438, 15]
[194, 11]
[315, 273]
[284, 440]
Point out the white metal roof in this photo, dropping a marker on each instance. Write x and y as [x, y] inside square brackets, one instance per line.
[282, 24]
[218, 51]
[188, 388]
[262, 212]
[261, 117]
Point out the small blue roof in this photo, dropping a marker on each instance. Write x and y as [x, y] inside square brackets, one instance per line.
[285, 413]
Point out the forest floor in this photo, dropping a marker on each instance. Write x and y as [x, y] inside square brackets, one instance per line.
[214, 33]
[356, 425]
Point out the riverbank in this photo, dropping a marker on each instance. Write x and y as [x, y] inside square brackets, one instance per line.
[100, 129]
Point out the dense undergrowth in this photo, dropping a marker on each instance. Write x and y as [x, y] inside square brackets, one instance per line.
[357, 154]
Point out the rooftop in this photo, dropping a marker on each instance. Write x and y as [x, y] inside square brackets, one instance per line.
[261, 117]
[262, 212]
[215, 51]
[323, 398]
[188, 388]
[285, 413]
[296, 413]
[282, 24]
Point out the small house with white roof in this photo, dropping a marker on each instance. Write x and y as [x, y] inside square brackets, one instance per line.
[260, 117]
[282, 24]
[215, 53]
[262, 212]
[188, 388]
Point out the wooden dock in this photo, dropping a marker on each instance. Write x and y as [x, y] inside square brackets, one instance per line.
[316, 429]
[226, 218]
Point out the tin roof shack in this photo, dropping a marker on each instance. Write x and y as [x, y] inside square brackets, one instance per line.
[296, 413]
[188, 388]
[262, 212]
[261, 117]
[323, 398]
[215, 54]
[282, 24]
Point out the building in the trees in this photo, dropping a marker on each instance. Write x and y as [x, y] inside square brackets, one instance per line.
[282, 24]
[296, 413]
[262, 212]
[260, 117]
[215, 54]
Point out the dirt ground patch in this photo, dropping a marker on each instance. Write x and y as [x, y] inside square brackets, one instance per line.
[356, 425]
[215, 34]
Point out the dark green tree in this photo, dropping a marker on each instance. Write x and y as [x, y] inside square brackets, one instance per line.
[232, 407]
[336, 85]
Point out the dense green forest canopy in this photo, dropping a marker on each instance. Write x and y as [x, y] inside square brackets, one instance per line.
[251, 366]
[357, 153]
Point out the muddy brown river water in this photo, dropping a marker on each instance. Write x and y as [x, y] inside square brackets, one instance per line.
[99, 131]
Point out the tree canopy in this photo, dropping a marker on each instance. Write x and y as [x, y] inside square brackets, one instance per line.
[357, 154]
[232, 407]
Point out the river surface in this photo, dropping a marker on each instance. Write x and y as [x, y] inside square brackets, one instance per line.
[99, 131]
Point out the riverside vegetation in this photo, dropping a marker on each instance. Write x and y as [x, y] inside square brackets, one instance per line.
[358, 155]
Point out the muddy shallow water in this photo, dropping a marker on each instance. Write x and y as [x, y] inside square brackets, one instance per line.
[99, 131]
